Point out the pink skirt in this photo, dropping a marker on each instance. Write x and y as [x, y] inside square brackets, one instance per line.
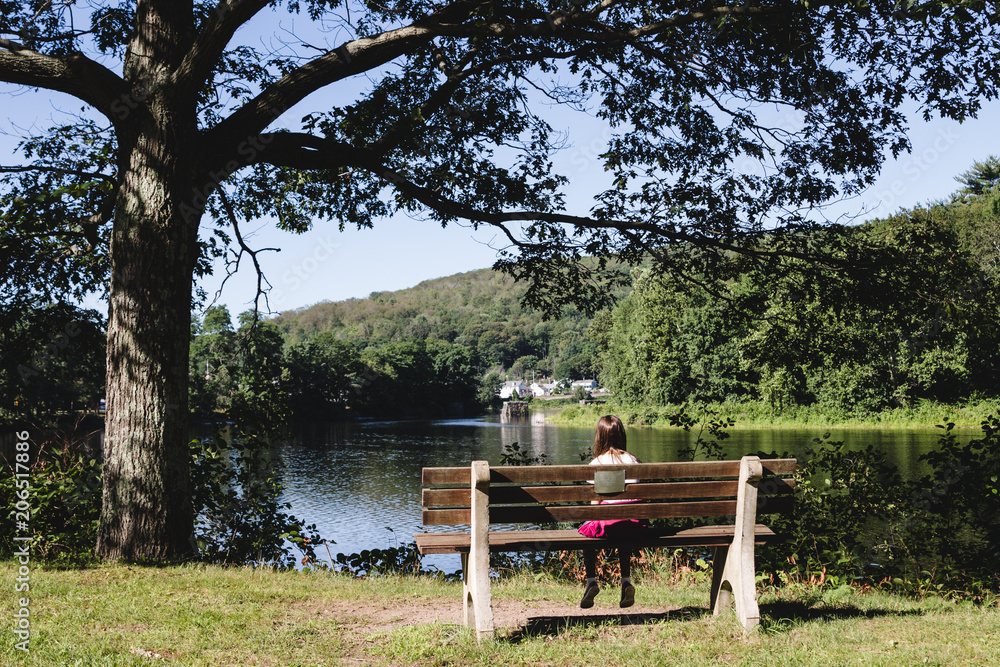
[616, 528]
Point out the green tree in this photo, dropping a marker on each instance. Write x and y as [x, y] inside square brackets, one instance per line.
[442, 109]
[325, 377]
[916, 321]
[415, 378]
[489, 390]
[213, 364]
[236, 473]
[668, 343]
[909, 314]
[981, 178]
[52, 360]
[456, 377]
[524, 367]
[260, 396]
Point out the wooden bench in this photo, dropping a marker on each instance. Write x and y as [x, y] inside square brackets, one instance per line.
[481, 495]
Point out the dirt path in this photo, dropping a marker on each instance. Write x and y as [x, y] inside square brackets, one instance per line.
[536, 616]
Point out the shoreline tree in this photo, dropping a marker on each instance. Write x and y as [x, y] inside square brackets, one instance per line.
[447, 111]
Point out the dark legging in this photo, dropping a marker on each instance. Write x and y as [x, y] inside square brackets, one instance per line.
[590, 562]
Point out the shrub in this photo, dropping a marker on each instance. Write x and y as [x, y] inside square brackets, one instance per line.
[239, 517]
[65, 497]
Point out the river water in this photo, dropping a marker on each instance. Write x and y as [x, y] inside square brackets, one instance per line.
[359, 482]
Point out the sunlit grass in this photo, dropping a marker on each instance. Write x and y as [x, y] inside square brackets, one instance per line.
[194, 615]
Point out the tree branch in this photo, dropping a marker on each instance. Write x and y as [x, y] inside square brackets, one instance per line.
[367, 53]
[74, 74]
[456, 76]
[572, 25]
[211, 42]
[354, 57]
[304, 151]
[233, 265]
[58, 170]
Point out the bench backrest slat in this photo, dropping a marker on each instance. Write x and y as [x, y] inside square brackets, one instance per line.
[552, 494]
[583, 473]
[506, 495]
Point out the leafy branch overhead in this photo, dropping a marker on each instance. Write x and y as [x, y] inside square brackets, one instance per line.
[727, 119]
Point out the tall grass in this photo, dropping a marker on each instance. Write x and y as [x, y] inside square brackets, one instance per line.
[759, 414]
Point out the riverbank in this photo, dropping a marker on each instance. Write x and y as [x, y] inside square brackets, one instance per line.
[198, 615]
[925, 414]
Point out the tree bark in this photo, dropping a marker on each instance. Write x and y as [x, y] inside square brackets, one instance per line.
[147, 512]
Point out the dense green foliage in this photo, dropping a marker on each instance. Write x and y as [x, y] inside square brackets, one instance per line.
[236, 473]
[856, 519]
[440, 348]
[64, 495]
[910, 315]
[51, 360]
[320, 377]
[480, 310]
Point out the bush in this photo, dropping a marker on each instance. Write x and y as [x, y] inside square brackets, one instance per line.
[65, 497]
[847, 504]
[236, 491]
[857, 520]
[239, 519]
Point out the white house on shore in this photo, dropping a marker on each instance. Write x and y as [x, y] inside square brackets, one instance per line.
[543, 388]
[509, 387]
[589, 385]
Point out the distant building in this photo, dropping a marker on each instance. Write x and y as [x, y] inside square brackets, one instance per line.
[542, 388]
[509, 387]
[589, 385]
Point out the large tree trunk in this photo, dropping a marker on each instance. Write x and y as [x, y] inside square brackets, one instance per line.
[147, 512]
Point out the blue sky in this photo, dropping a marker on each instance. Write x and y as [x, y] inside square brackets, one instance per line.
[328, 265]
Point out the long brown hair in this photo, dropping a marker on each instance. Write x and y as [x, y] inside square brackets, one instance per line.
[610, 436]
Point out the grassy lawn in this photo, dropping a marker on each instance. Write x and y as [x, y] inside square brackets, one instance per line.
[196, 615]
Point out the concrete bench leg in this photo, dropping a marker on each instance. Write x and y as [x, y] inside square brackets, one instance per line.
[470, 598]
[735, 585]
[722, 594]
[733, 569]
[477, 605]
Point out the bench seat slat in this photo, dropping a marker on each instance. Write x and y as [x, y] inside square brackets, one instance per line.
[583, 473]
[556, 540]
[558, 513]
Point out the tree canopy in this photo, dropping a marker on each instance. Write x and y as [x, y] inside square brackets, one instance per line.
[854, 342]
[726, 121]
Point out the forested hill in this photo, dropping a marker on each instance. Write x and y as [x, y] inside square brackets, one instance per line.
[910, 313]
[439, 308]
[479, 309]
